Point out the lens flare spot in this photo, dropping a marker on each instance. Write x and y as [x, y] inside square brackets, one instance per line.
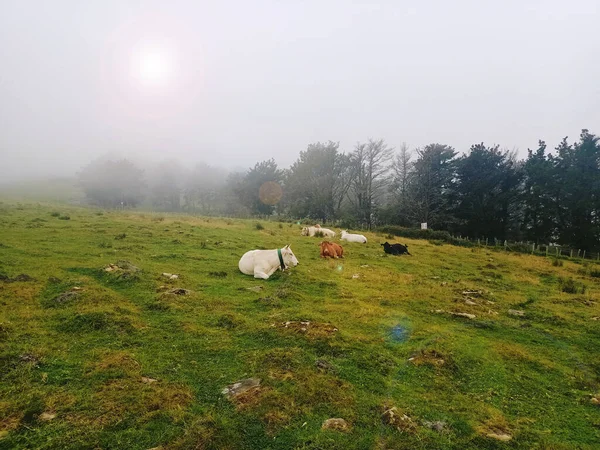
[270, 193]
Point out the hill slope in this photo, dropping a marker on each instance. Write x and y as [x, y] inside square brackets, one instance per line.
[112, 359]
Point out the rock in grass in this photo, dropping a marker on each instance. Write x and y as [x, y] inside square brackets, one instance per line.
[336, 424]
[170, 276]
[46, 416]
[239, 387]
[323, 365]
[438, 425]
[501, 436]
[149, 380]
[461, 314]
[65, 297]
[179, 291]
[456, 314]
[516, 312]
[395, 418]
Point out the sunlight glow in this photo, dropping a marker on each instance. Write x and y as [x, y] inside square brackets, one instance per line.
[152, 67]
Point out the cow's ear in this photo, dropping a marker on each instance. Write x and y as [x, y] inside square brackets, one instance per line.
[287, 246]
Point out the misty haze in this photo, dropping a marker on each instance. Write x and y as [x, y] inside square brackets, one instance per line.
[309, 224]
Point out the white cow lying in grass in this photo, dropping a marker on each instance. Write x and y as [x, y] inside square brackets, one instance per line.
[353, 237]
[264, 263]
[311, 231]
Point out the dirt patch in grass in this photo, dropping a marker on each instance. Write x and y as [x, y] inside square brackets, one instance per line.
[220, 274]
[126, 393]
[431, 358]
[312, 330]
[120, 399]
[5, 331]
[21, 278]
[496, 427]
[120, 362]
[228, 321]
[95, 321]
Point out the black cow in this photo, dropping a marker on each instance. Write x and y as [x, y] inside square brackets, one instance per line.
[395, 249]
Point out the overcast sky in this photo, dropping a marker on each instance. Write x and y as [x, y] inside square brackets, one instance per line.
[235, 82]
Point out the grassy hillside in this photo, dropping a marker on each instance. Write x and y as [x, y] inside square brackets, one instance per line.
[97, 359]
[57, 190]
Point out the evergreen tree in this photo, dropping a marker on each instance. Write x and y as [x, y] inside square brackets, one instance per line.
[430, 185]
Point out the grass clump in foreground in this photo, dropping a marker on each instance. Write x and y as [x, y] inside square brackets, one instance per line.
[452, 348]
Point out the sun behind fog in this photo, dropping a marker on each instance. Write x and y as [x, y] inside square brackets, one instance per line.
[152, 67]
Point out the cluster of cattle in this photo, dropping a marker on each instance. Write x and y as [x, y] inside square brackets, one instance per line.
[263, 263]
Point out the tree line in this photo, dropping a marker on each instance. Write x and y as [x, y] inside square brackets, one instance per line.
[548, 197]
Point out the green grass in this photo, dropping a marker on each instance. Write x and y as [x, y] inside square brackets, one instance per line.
[81, 348]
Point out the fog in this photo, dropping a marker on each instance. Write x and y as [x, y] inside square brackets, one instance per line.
[233, 83]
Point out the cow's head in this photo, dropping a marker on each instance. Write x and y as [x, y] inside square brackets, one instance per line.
[289, 259]
[304, 231]
[386, 245]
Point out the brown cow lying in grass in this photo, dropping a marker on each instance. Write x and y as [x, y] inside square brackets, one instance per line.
[331, 249]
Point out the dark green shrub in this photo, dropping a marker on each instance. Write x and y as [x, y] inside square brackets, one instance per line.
[570, 286]
[430, 235]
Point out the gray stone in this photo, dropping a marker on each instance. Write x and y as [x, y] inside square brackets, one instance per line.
[239, 387]
[336, 424]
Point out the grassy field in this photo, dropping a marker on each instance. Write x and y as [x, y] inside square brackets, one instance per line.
[113, 360]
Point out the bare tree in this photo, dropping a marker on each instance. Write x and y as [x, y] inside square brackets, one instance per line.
[401, 172]
[370, 165]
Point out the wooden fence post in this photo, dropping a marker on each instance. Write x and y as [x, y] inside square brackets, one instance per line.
[578, 252]
[547, 245]
[583, 254]
[571, 253]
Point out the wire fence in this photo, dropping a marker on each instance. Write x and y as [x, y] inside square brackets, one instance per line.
[550, 250]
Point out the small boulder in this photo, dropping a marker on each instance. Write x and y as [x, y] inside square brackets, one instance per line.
[336, 424]
[179, 291]
[500, 436]
[395, 418]
[323, 365]
[462, 314]
[516, 312]
[149, 380]
[438, 425]
[46, 416]
[239, 387]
